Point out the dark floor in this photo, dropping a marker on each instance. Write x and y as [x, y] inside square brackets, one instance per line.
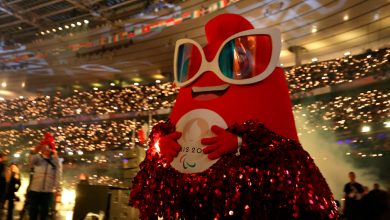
[64, 212]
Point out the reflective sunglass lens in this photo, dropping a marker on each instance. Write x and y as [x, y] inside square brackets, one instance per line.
[245, 57]
[188, 61]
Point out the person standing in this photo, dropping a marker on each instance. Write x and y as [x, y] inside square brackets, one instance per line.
[353, 193]
[13, 185]
[3, 182]
[377, 203]
[46, 179]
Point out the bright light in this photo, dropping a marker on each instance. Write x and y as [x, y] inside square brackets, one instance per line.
[387, 124]
[16, 155]
[23, 84]
[366, 129]
[78, 23]
[68, 196]
[73, 25]
[21, 97]
[376, 16]
[96, 89]
[346, 17]
[158, 81]
[47, 31]
[43, 33]
[86, 21]
[112, 84]
[347, 53]
[79, 152]
[313, 29]
[348, 153]
[66, 26]
[314, 59]
[3, 84]
[2, 99]
[136, 84]
[157, 145]
[70, 153]
[60, 28]
[69, 215]
[369, 56]
[54, 30]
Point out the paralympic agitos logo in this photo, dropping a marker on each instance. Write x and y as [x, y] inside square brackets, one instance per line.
[194, 126]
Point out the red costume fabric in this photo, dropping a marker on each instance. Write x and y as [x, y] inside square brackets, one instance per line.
[271, 178]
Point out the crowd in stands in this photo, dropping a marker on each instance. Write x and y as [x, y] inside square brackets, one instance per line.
[341, 113]
[129, 99]
[80, 138]
[346, 113]
[342, 70]
[160, 96]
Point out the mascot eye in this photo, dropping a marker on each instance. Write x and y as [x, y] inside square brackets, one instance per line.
[243, 65]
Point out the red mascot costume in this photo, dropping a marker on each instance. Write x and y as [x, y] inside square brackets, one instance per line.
[230, 149]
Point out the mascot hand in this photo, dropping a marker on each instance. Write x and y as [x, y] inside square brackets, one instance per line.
[169, 147]
[225, 142]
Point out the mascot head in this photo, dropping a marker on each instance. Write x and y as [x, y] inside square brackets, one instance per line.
[235, 75]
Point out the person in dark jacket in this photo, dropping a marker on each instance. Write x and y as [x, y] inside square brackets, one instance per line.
[353, 194]
[377, 203]
[13, 185]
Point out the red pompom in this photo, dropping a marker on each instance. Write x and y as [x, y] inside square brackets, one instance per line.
[48, 139]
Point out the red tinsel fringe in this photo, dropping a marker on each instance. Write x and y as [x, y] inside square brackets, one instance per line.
[273, 178]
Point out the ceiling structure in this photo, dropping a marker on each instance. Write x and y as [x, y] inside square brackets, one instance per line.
[36, 29]
[20, 20]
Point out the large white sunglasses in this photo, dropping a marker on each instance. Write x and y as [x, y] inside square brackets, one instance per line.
[237, 59]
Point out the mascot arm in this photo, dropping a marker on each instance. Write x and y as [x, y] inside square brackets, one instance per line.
[163, 140]
[169, 148]
[237, 136]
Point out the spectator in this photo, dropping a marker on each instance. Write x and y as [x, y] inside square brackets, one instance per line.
[353, 193]
[46, 178]
[2, 181]
[13, 184]
[377, 203]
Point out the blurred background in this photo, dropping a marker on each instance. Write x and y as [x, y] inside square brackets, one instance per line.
[97, 74]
